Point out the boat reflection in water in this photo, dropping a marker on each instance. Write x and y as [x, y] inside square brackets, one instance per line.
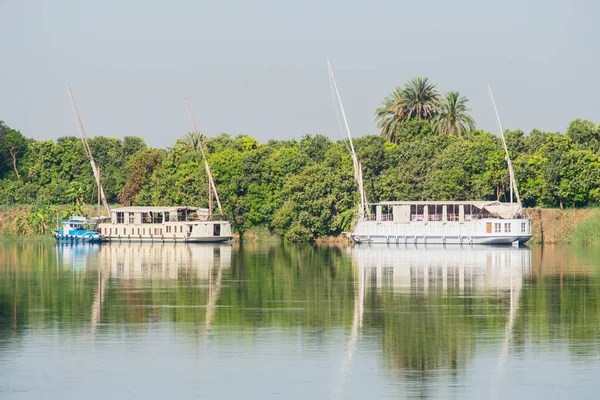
[136, 271]
[423, 294]
[409, 269]
[163, 261]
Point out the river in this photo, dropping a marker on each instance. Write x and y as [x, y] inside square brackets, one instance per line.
[263, 321]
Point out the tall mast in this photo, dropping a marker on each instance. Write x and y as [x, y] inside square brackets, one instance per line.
[513, 182]
[88, 152]
[211, 182]
[356, 164]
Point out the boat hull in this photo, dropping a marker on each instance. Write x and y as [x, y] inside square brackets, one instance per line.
[77, 238]
[437, 240]
[484, 231]
[158, 239]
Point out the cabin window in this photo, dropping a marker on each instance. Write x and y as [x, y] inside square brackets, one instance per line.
[120, 217]
[160, 231]
[488, 227]
[146, 218]
[157, 217]
[469, 212]
[168, 228]
[132, 218]
[181, 229]
[452, 212]
[435, 212]
[523, 227]
[110, 231]
[507, 227]
[497, 227]
[217, 230]
[386, 214]
[124, 231]
[144, 231]
[416, 212]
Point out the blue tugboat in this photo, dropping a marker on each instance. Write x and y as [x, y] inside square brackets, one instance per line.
[74, 231]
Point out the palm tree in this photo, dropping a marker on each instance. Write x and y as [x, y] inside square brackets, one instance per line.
[453, 117]
[192, 140]
[420, 99]
[390, 116]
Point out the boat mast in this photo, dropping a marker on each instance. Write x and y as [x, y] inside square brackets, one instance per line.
[357, 166]
[513, 182]
[88, 152]
[211, 188]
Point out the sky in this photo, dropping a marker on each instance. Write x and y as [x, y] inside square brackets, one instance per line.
[259, 67]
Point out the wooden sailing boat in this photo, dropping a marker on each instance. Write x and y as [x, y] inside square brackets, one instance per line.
[170, 223]
[437, 222]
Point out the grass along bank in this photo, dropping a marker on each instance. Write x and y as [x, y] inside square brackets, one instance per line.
[576, 226]
[549, 225]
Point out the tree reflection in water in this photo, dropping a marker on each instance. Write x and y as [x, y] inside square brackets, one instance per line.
[429, 309]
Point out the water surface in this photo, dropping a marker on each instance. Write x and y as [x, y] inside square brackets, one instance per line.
[281, 321]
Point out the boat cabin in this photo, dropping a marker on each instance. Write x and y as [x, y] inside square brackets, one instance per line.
[440, 211]
[164, 223]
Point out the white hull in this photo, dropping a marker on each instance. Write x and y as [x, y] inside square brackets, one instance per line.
[450, 240]
[483, 231]
[157, 239]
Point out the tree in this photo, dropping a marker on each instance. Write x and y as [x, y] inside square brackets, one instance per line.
[453, 116]
[13, 146]
[192, 140]
[390, 116]
[584, 134]
[418, 99]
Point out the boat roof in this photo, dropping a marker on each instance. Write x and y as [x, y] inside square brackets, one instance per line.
[478, 203]
[135, 209]
[505, 210]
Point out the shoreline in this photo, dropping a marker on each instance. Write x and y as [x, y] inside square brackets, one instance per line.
[549, 226]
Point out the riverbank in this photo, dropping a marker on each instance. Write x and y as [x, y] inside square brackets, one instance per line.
[549, 225]
[572, 226]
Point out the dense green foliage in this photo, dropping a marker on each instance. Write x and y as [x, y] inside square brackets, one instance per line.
[303, 189]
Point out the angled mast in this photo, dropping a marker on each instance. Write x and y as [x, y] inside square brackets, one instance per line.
[363, 209]
[513, 182]
[88, 152]
[211, 188]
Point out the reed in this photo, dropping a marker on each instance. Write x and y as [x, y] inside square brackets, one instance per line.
[587, 232]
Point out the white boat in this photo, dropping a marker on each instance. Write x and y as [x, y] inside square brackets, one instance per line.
[164, 224]
[437, 222]
[450, 222]
[159, 224]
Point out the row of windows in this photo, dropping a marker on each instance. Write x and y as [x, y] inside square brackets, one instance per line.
[141, 231]
[507, 227]
[498, 227]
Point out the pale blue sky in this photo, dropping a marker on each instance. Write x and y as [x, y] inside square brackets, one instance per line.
[258, 67]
